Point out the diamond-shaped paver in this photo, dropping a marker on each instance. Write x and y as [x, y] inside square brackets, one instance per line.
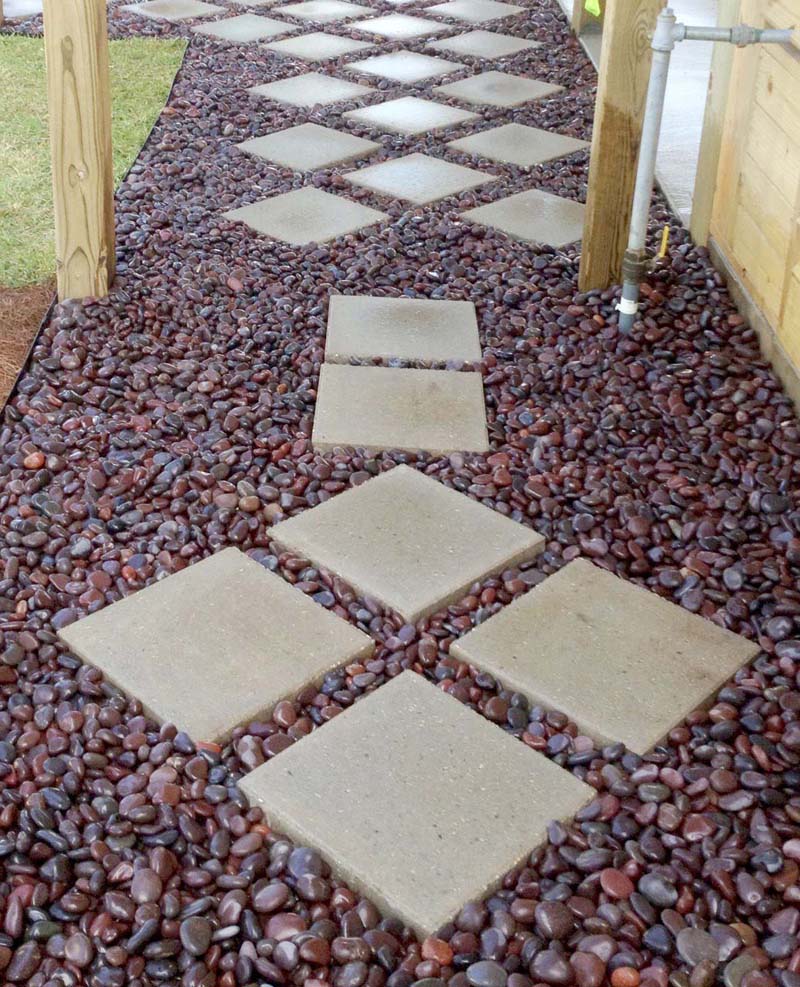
[408, 540]
[365, 327]
[416, 800]
[215, 645]
[418, 178]
[497, 89]
[252, 3]
[306, 215]
[474, 11]
[310, 89]
[625, 664]
[318, 46]
[409, 115]
[484, 44]
[399, 26]
[309, 146]
[535, 216]
[518, 144]
[405, 66]
[377, 408]
[323, 11]
[174, 10]
[245, 27]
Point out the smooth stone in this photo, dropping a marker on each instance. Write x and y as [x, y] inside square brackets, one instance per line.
[695, 945]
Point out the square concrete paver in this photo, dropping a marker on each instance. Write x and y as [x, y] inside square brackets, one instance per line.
[311, 89]
[215, 645]
[317, 46]
[625, 664]
[535, 216]
[245, 28]
[306, 215]
[497, 89]
[484, 44]
[399, 26]
[376, 408]
[518, 144]
[405, 66]
[408, 540]
[475, 11]
[175, 10]
[323, 11]
[252, 3]
[309, 146]
[410, 115]
[364, 327]
[418, 178]
[417, 801]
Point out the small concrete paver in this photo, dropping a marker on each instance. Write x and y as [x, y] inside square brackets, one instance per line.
[623, 663]
[518, 144]
[398, 27]
[440, 817]
[368, 327]
[497, 89]
[175, 10]
[377, 408]
[317, 46]
[245, 28]
[405, 66]
[311, 89]
[484, 44]
[306, 215]
[252, 3]
[323, 11]
[418, 178]
[409, 541]
[409, 115]
[309, 146]
[533, 216]
[475, 11]
[215, 645]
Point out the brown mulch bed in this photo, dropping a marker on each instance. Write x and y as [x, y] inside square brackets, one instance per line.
[21, 314]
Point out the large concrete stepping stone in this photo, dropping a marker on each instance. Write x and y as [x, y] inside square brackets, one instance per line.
[533, 216]
[365, 327]
[518, 144]
[215, 645]
[323, 11]
[623, 663]
[497, 89]
[409, 115]
[415, 800]
[474, 11]
[376, 408]
[310, 89]
[399, 26]
[317, 46]
[174, 10]
[408, 540]
[245, 28]
[309, 146]
[405, 66]
[306, 215]
[484, 44]
[418, 178]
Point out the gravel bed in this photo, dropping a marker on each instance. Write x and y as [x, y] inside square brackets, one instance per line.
[173, 419]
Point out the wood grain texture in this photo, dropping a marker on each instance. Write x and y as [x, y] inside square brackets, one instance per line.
[622, 87]
[79, 100]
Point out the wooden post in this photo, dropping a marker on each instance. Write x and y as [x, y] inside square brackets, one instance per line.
[79, 103]
[622, 87]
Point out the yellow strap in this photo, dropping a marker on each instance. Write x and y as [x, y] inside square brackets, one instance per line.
[593, 7]
[664, 242]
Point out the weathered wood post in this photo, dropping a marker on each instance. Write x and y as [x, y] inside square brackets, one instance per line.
[79, 102]
[622, 87]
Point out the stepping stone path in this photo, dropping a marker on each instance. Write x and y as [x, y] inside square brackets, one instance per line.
[618, 660]
[175, 10]
[418, 178]
[310, 89]
[215, 645]
[497, 89]
[484, 44]
[536, 216]
[405, 66]
[517, 144]
[246, 27]
[441, 817]
[317, 47]
[399, 26]
[409, 115]
[309, 146]
[323, 11]
[475, 11]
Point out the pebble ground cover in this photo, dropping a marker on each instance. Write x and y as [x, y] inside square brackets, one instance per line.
[173, 419]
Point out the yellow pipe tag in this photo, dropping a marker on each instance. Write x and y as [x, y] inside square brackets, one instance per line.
[664, 243]
[593, 7]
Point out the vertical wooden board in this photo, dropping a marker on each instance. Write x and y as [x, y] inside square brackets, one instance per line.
[622, 87]
[581, 16]
[79, 101]
[761, 265]
[789, 330]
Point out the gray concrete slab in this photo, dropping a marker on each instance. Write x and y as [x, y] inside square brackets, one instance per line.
[309, 146]
[484, 44]
[318, 46]
[323, 11]
[475, 11]
[399, 26]
[515, 143]
[497, 89]
[534, 216]
[245, 28]
[175, 10]
[311, 89]
[405, 66]
[418, 178]
[410, 115]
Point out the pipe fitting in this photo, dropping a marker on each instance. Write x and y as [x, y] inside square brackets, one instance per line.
[634, 265]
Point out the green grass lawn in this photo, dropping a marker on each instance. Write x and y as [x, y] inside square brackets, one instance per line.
[142, 70]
